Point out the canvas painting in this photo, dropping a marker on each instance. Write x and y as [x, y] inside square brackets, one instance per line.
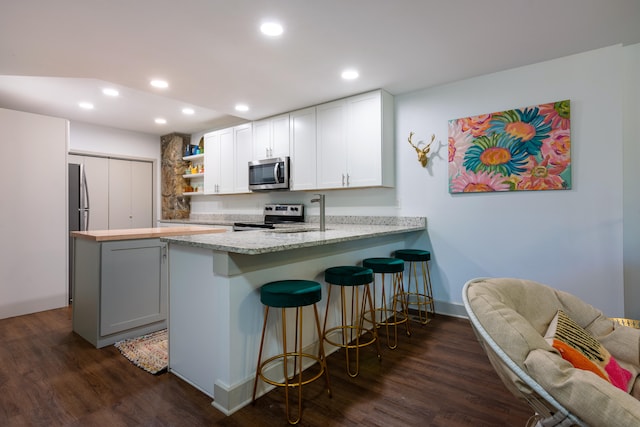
[522, 149]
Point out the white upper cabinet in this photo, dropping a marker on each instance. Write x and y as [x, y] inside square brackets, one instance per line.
[355, 142]
[218, 161]
[331, 145]
[227, 153]
[346, 143]
[303, 149]
[271, 137]
[243, 155]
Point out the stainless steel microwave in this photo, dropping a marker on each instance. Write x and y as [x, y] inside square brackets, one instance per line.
[269, 174]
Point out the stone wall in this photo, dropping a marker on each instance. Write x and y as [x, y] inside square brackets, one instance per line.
[174, 204]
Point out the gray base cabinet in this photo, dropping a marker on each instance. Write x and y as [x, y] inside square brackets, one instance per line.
[120, 290]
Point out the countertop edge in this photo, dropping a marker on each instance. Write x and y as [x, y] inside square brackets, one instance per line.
[142, 233]
[281, 244]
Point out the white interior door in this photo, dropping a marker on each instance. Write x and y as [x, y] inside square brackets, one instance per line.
[130, 194]
[141, 194]
[120, 215]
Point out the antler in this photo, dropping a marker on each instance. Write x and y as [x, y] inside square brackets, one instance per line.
[422, 152]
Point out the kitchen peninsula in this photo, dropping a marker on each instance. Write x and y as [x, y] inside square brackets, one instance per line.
[120, 280]
[215, 310]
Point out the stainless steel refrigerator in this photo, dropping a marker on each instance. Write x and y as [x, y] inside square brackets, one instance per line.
[78, 210]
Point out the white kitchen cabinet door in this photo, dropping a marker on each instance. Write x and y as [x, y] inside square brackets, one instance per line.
[331, 144]
[218, 162]
[243, 139]
[211, 162]
[97, 173]
[261, 139]
[355, 142]
[271, 137]
[227, 163]
[130, 194]
[280, 143]
[364, 140]
[227, 154]
[303, 149]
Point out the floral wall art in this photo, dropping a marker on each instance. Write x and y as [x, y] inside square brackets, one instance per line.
[526, 148]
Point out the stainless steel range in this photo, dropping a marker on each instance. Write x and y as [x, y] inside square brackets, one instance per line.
[275, 214]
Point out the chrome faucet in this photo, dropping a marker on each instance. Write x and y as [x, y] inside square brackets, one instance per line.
[320, 199]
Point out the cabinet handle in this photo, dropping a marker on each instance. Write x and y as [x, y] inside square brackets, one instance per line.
[343, 180]
[163, 257]
[347, 180]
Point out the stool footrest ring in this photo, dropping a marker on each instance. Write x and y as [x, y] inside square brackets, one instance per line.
[294, 381]
[360, 342]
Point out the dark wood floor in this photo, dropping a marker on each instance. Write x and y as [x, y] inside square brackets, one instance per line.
[437, 377]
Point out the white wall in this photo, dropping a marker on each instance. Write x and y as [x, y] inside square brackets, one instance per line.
[572, 240]
[33, 218]
[105, 141]
[631, 151]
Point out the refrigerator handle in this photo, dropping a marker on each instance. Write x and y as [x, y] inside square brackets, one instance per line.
[84, 199]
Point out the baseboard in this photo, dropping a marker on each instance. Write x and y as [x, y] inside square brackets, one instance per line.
[230, 398]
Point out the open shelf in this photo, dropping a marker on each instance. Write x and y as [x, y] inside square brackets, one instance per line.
[194, 157]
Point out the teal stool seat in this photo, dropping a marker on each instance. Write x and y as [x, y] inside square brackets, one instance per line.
[349, 275]
[413, 255]
[398, 312]
[287, 294]
[421, 294]
[384, 265]
[290, 293]
[353, 334]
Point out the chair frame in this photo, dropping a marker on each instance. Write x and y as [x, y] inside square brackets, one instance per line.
[540, 400]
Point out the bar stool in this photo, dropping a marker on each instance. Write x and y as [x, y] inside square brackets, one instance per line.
[297, 294]
[422, 298]
[352, 327]
[395, 315]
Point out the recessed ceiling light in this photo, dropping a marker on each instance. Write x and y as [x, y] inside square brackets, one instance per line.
[86, 105]
[242, 107]
[161, 84]
[160, 121]
[271, 29]
[110, 91]
[350, 74]
[188, 111]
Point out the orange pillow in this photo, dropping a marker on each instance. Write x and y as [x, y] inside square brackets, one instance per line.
[583, 351]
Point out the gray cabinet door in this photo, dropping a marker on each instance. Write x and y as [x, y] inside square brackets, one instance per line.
[133, 284]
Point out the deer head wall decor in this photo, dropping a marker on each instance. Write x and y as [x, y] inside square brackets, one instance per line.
[422, 152]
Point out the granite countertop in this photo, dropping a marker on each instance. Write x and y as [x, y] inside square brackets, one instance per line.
[143, 233]
[295, 237]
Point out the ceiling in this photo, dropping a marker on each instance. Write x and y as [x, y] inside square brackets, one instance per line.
[56, 54]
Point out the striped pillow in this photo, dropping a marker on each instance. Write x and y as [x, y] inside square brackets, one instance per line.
[583, 351]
